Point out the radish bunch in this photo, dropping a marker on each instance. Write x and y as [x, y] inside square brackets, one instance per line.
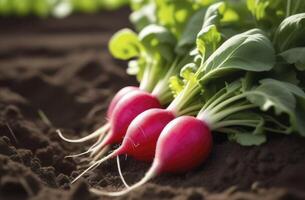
[154, 64]
[186, 141]
[210, 70]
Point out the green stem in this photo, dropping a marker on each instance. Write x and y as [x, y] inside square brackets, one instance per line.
[230, 130]
[184, 97]
[288, 8]
[223, 114]
[191, 109]
[271, 119]
[162, 86]
[144, 85]
[226, 123]
[166, 98]
[275, 130]
[213, 110]
[214, 98]
[296, 6]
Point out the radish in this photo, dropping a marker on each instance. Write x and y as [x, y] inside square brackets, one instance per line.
[125, 110]
[119, 95]
[155, 55]
[185, 142]
[190, 98]
[141, 137]
[183, 145]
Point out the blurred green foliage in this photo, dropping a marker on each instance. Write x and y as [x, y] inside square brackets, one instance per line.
[57, 8]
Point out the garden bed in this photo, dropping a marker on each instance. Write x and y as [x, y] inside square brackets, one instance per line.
[59, 74]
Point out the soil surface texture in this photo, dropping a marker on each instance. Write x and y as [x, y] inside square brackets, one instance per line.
[57, 73]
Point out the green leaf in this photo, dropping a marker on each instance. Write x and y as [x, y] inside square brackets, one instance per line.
[84, 6]
[207, 40]
[242, 133]
[175, 14]
[245, 138]
[264, 9]
[112, 4]
[144, 16]
[138, 4]
[295, 56]
[290, 33]
[295, 90]
[297, 115]
[189, 34]
[21, 8]
[269, 13]
[188, 71]
[214, 14]
[248, 51]
[272, 95]
[284, 98]
[4, 7]
[42, 8]
[284, 72]
[125, 44]
[158, 41]
[176, 85]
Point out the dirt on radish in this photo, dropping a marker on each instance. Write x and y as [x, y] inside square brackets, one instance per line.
[59, 74]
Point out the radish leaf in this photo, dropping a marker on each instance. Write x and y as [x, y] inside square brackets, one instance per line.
[295, 56]
[290, 33]
[125, 44]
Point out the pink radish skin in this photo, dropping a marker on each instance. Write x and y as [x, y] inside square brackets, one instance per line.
[102, 130]
[118, 96]
[126, 109]
[143, 132]
[141, 137]
[129, 107]
[183, 145]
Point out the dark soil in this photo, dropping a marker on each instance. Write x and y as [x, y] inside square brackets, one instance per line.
[59, 74]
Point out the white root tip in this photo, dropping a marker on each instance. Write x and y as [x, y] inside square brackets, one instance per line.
[149, 175]
[94, 165]
[120, 172]
[95, 134]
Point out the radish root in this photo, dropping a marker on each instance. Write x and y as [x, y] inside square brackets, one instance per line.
[95, 164]
[98, 132]
[120, 172]
[148, 176]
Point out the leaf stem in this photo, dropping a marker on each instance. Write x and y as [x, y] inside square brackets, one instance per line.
[226, 123]
[225, 103]
[191, 109]
[223, 114]
[288, 8]
[184, 97]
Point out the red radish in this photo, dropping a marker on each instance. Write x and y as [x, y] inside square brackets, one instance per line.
[100, 132]
[129, 107]
[183, 145]
[141, 136]
[126, 109]
[119, 95]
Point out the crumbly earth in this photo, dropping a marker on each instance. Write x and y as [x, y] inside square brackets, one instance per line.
[59, 74]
